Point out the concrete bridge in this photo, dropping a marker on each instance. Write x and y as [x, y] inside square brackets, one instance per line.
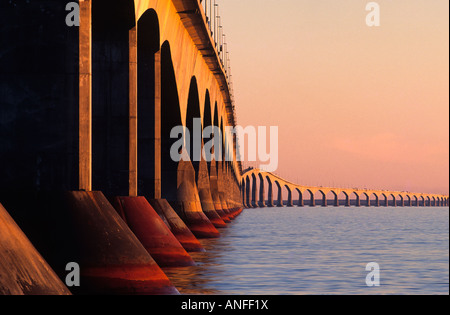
[259, 189]
[86, 116]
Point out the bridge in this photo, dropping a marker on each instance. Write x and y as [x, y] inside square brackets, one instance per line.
[256, 194]
[90, 93]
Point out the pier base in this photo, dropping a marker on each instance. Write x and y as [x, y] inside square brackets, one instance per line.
[23, 271]
[152, 232]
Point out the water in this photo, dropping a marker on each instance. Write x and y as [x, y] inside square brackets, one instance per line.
[291, 251]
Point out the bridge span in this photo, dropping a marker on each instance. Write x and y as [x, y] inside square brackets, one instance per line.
[259, 188]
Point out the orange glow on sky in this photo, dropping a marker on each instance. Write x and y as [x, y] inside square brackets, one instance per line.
[356, 106]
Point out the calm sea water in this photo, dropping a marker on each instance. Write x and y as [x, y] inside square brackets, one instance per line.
[290, 251]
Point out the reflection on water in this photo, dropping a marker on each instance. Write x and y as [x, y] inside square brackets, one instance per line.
[323, 251]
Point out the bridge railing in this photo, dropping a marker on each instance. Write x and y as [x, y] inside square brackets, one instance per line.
[211, 11]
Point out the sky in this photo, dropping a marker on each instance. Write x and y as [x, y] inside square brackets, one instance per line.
[356, 106]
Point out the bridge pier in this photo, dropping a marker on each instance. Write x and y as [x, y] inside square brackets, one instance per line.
[347, 200]
[178, 228]
[23, 271]
[204, 192]
[301, 202]
[312, 202]
[358, 201]
[188, 203]
[336, 200]
[254, 192]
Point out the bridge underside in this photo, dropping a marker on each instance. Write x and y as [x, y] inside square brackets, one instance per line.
[86, 116]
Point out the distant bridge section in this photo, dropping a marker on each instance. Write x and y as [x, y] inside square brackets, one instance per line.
[256, 194]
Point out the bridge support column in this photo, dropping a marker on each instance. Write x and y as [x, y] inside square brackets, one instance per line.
[133, 112]
[358, 201]
[336, 200]
[312, 202]
[270, 195]
[90, 232]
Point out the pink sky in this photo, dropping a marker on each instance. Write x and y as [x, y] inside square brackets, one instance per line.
[356, 106]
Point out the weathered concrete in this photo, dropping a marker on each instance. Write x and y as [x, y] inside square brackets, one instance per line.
[23, 271]
[152, 232]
